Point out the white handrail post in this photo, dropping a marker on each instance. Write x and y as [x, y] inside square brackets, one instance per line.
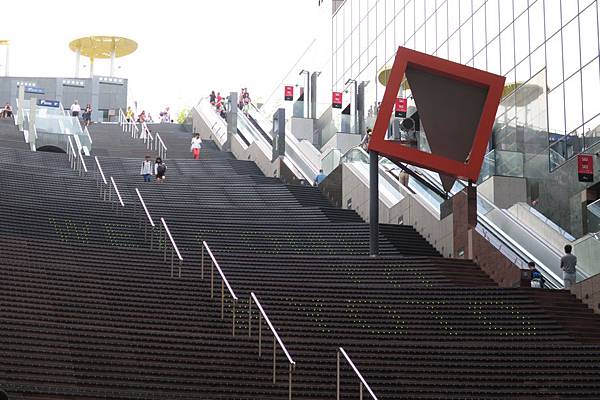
[250, 317]
[212, 277]
[222, 299]
[337, 390]
[274, 359]
[202, 265]
[259, 334]
[234, 303]
[360, 393]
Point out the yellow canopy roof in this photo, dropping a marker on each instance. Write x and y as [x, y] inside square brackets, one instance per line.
[384, 76]
[103, 46]
[4, 42]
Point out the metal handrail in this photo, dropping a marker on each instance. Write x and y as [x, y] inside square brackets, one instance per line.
[173, 247]
[101, 183]
[224, 282]
[159, 143]
[117, 191]
[72, 153]
[145, 208]
[100, 170]
[79, 147]
[356, 371]
[148, 219]
[276, 338]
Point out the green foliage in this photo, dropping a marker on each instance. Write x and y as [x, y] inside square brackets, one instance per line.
[182, 116]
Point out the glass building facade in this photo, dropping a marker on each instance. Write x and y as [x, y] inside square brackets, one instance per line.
[547, 49]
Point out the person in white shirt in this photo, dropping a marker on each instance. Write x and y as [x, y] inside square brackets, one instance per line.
[146, 170]
[75, 109]
[196, 146]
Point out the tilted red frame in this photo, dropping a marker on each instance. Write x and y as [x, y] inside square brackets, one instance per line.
[465, 170]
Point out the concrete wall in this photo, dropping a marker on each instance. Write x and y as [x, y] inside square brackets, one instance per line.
[102, 93]
[302, 128]
[504, 191]
[588, 291]
[409, 210]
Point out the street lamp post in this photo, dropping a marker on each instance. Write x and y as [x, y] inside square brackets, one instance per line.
[306, 91]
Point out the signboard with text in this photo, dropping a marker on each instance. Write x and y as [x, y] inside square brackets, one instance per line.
[585, 167]
[400, 108]
[336, 100]
[288, 93]
[34, 90]
[48, 103]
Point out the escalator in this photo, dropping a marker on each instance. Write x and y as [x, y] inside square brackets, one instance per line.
[508, 235]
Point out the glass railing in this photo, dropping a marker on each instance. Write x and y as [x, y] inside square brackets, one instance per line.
[587, 251]
[593, 216]
[503, 163]
[331, 161]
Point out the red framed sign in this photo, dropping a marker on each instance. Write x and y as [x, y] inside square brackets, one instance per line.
[288, 93]
[585, 167]
[474, 94]
[401, 107]
[336, 100]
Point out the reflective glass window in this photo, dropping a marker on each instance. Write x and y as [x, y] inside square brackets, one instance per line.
[466, 42]
[588, 26]
[347, 21]
[453, 17]
[552, 16]
[363, 35]
[507, 43]
[465, 10]
[390, 10]
[521, 37]
[399, 29]
[538, 60]
[591, 88]
[419, 13]
[506, 13]
[409, 19]
[443, 50]
[380, 16]
[381, 48]
[536, 24]
[478, 30]
[570, 43]
[520, 6]
[355, 13]
[584, 3]
[390, 43]
[556, 111]
[592, 131]
[420, 39]
[429, 8]
[569, 10]
[442, 24]
[480, 61]
[493, 56]
[554, 61]
[522, 71]
[364, 9]
[477, 4]
[372, 26]
[454, 48]
[573, 103]
[492, 21]
[430, 35]
[355, 45]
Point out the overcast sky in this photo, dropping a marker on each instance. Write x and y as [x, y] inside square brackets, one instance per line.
[186, 48]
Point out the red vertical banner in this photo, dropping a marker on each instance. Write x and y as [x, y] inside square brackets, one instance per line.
[401, 107]
[585, 167]
[336, 100]
[288, 93]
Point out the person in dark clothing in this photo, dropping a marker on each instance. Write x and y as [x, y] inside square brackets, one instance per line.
[537, 280]
[212, 98]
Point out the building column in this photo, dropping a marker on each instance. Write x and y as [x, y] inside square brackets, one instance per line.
[113, 55]
[77, 62]
[7, 61]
